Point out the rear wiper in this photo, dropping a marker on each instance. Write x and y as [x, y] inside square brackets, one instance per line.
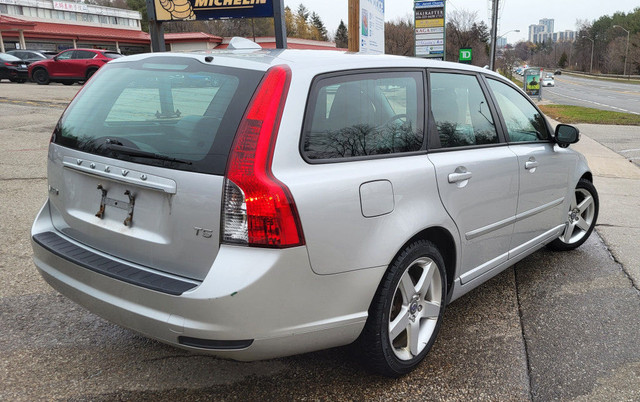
[119, 148]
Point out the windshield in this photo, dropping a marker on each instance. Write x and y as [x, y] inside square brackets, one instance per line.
[172, 112]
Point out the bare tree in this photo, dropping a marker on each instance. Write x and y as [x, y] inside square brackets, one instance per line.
[399, 37]
[465, 31]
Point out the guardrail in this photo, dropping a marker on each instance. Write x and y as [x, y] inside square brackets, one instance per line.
[608, 76]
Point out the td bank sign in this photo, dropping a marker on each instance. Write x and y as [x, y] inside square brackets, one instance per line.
[466, 55]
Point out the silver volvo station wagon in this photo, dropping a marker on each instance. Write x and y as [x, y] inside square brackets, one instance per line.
[256, 204]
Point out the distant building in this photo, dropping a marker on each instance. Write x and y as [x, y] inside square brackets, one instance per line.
[543, 31]
[548, 24]
[534, 31]
[58, 25]
[501, 42]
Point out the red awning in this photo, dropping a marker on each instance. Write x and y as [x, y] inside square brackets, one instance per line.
[48, 30]
[15, 24]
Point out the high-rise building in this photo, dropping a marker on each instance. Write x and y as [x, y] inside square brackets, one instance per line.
[534, 30]
[543, 31]
[548, 24]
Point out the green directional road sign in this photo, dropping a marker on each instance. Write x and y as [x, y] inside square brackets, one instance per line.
[466, 55]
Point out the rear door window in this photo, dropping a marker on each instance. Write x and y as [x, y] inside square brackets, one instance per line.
[362, 115]
[460, 111]
[178, 112]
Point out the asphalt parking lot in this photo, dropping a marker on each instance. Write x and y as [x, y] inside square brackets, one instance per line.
[556, 326]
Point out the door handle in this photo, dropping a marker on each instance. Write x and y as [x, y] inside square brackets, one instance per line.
[459, 176]
[531, 164]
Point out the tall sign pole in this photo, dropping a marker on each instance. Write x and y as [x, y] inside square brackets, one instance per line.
[494, 35]
[354, 26]
[279, 24]
[155, 29]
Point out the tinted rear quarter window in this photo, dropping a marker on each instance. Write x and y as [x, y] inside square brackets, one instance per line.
[460, 110]
[175, 107]
[362, 115]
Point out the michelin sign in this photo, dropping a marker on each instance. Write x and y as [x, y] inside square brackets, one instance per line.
[168, 10]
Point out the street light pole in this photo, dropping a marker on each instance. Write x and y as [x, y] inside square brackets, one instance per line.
[494, 35]
[592, 43]
[626, 52]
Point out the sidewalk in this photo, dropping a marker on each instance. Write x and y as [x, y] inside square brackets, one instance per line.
[618, 184]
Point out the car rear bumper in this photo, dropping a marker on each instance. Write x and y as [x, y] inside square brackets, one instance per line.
[17, 74]
[253, 304]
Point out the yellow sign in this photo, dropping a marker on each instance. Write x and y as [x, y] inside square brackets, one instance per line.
[167, 10]
[432, 23]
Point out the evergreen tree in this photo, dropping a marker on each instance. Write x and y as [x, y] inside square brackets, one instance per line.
[562, 63]
[301, 18]
[342, 36]
[317, 23]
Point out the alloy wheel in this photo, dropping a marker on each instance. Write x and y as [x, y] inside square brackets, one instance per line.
[415, 308]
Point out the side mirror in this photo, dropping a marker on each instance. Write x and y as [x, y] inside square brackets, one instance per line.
[566, 134]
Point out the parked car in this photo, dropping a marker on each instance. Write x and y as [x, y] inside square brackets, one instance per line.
[300, 200]
[69, 66]
[558, 72]
[30, 56]
[12, 68]
[548, 80]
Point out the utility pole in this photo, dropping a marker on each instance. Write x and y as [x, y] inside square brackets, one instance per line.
[354, 26]
[494, 34]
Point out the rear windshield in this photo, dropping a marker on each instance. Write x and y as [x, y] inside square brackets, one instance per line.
[8, 57]
[113, 55]
[163, 111]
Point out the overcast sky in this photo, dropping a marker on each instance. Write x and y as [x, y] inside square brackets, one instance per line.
[515, 14]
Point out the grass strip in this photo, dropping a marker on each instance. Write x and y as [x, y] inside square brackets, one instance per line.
[578, 114]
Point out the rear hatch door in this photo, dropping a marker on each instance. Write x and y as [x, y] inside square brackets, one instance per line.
[137, 161]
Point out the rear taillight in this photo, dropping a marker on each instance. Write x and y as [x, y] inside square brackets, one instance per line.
[8, 64]
[258, 209]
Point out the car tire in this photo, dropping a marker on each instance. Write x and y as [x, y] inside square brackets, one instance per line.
[67, 82]
[41, 76]
[581, 218]
[90, 72]
[406, 312]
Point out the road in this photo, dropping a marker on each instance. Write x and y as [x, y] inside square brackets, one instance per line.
[606, 95]
[555, 326]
